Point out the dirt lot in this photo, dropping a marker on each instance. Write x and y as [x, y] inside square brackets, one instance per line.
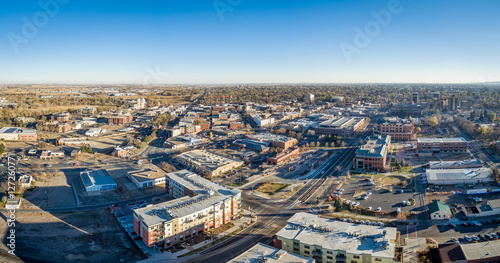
[90, 236]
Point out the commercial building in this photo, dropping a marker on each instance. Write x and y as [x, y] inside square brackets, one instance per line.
[310, 98]
[17, 134]
[263, 253]
[13, 203]
[97, 180]
[344, 126]
[263, 120]
[453, 103]
[490, 208]
[60, 117]
[430, 146]
[439, 210]
[471, 163]
[373, 155]
[406, 109]
[73, 141]
[328, 240]
[169, 223]
[283, 156]
[147, 177]
[458, 176]
[399, 129]
[208, 163]
[120, 119]
[275, 140]
[470, 252]
[93, 132]
[252, 145]
[414, 97]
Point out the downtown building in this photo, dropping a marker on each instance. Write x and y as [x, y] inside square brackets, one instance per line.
[329, 241]
[208, 163]
[344, 127]
[201, 205]
[430, 146]
[373, 155]
[399, 129]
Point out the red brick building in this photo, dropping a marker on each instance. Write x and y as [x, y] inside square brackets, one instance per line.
[120, 119]
[398, 129]
[283, 156]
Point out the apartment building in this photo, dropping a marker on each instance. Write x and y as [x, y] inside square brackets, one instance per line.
[399, 129]
[329, 241]
[406, 109]
[275, 140]
[264, 253]
[208, 163]
[263, 120]
[169, 223]
[17, 134]
[344, 126]
[430, 146]
[373, 155]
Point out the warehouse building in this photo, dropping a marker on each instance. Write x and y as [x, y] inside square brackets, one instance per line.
[208, 163]
[458, 176]
[327, 240]
[471, 163]
[97, 180]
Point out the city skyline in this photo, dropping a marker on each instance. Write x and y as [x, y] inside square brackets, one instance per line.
[229, 42]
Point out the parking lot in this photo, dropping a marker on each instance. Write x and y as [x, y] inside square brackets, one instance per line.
[380, 197]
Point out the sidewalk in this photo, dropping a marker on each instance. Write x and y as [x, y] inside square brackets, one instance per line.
[238, 223]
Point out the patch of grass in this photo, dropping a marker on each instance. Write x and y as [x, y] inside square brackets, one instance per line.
[236, 184]
[271, 188]
[404, 170]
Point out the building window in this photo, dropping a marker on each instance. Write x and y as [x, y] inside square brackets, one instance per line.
[307, 247]
[307, 252]
[355, 256]
[378, 259]
[328, 257]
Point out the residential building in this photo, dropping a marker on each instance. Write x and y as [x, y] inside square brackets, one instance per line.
[97, 180]
[283, 156]
[327, 240]
[470, 252]
[264, 253]
[453, 103]
[414, 98]
[399, 129]
[344, 127]
[275, 140]
[168, 223]
[310, 98]
[208, 163]
[435, 95]
[147, 177]
[430, 146]
[439, 210]
[18, 134]
[459, 176]
[373, 155]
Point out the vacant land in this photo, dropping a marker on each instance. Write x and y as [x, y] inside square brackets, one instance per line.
[90, 236]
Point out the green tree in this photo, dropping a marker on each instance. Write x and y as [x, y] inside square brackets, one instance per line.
[433, 121]
[2, 148]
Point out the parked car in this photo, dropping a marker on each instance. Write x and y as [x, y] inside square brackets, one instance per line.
[461, 240]
[454, 240]
[379, 209]
[76, 164]
[468, 238]
[133, 207]
[475, 238]
[128, 225]
[143, 205]
[119, 214]
[124, 220]
[452, 225]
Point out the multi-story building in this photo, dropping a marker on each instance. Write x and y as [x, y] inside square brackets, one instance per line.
[166, 224]
[264, 253]
[60, 117]
[344, 126]
[17, 134]
[430, 146]
[406, 109]
[275, 140]
[414, 97]
[263, 120]
[373, 155]
[398, 129]
[208, 163]
[453, 103]
[283, 156]
[120, 119]
[435, 95]
[326, 240]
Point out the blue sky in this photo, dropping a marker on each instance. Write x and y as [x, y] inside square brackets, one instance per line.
[250, 41]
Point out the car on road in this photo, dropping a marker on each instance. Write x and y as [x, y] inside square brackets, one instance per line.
[399, 210]
[475, 223]
[76, 164]
[379, 209]
[452, 225]
[369, 208]
[48, 165]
